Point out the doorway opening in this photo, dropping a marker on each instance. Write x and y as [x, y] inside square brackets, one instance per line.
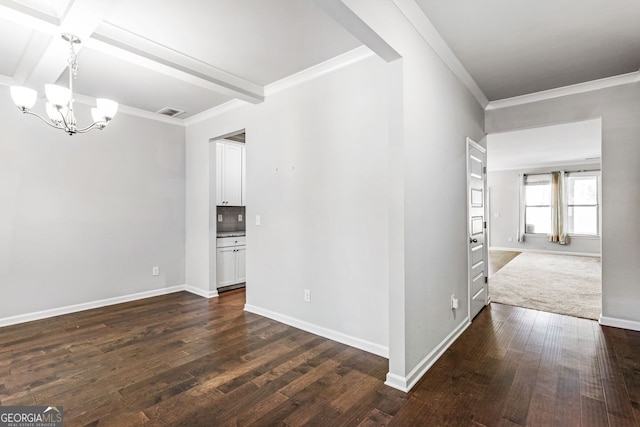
[227, 212]
[545, 218]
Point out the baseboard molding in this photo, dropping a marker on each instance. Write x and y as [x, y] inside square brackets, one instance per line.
[544, 251]
[201, 292]
[619, 323]
[38, 315]
[406, 383]
[340, 337]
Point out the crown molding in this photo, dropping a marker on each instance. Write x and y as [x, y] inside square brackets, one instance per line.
[311, 73]
[215, 111]
[417, 18]
[132, 111]
[328, 66]
[575, 89]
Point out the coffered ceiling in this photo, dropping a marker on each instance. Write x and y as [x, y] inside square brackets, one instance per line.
[190, 55]
[194, 55]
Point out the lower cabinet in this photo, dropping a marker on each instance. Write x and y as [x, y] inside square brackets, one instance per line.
[230, 261]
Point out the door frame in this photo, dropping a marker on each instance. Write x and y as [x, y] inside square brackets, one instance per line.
[472, 143]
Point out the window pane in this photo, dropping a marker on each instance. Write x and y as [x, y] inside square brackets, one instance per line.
[583, 220]
[538, 220]
[537, 194]
[583, 190]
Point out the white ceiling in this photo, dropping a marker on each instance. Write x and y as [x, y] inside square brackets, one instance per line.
[513, 48]
[194, 55]
[559, 145]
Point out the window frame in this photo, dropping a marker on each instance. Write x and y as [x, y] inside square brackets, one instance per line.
[540, 182]
[598, 205]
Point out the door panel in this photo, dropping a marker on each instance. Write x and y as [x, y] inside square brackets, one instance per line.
[232, 179]
[225, 266]
[241, 264]
[478, 290]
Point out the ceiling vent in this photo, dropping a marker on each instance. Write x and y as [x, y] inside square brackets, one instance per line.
[170, 112]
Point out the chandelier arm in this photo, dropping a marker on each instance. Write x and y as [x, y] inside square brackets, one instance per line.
[94, 125]
[53, 125]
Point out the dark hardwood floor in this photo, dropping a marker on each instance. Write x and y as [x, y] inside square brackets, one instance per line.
[183, 360]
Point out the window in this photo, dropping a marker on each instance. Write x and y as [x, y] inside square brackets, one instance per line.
[537, 195]
[582, 204]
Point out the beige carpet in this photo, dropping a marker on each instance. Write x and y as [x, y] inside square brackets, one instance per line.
[562, 284]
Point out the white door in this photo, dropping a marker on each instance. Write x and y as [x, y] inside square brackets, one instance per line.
[477, 253]
[225, 266]
[232, 175]
[241, 264]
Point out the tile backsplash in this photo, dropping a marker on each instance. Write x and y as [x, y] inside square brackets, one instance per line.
[230, 220]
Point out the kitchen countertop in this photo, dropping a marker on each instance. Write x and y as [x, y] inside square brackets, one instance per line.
[231, 234]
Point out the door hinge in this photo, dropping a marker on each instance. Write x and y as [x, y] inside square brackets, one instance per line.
[486, 279]
[485, 225]
[484, 169]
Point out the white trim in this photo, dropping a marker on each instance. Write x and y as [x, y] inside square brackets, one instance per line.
[132, 111]
[333, 64]
[201, 292]
[406, 383]
[6, 80]
[349, 340]
[575, 89]
[311, 73]
[544, 251]
[214, 111]
[549, 165]
[619, 323]
[415, 15]
[21, 318]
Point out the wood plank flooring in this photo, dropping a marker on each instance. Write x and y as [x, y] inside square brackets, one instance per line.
[183, 360]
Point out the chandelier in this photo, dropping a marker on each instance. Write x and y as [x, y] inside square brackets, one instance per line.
[60, 100]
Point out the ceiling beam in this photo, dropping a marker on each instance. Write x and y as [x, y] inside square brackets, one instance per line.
[344, 16]
[80, 19]
[46, 59]
[133, 48]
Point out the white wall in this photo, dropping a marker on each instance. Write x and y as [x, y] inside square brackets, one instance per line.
[317, 175]
[85, 218]
[504, 195]
[429, 167]
[619, 108]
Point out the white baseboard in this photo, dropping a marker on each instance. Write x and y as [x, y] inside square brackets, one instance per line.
[545, 251]
[21, 318]
[406, 383]
[319, 330]
[201, 292]
[619, 323]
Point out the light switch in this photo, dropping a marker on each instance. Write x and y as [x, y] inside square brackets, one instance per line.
[257, 219]
[239, 217]
[219, 218]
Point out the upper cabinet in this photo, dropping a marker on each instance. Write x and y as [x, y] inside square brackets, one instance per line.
[230, 174]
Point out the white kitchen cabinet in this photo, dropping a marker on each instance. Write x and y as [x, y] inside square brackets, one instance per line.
[229, 174]
[230, 261]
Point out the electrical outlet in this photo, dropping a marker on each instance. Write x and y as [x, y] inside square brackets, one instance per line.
[239, 217]
[258, 219]
[219, 218]
[307, 295]
[155, 271]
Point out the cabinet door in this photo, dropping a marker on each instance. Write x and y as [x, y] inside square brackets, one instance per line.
[225, 266]
[219, 163]
[232, 175]
[241, 264]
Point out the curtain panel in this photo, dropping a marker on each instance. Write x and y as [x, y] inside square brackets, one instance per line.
[558, 232]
